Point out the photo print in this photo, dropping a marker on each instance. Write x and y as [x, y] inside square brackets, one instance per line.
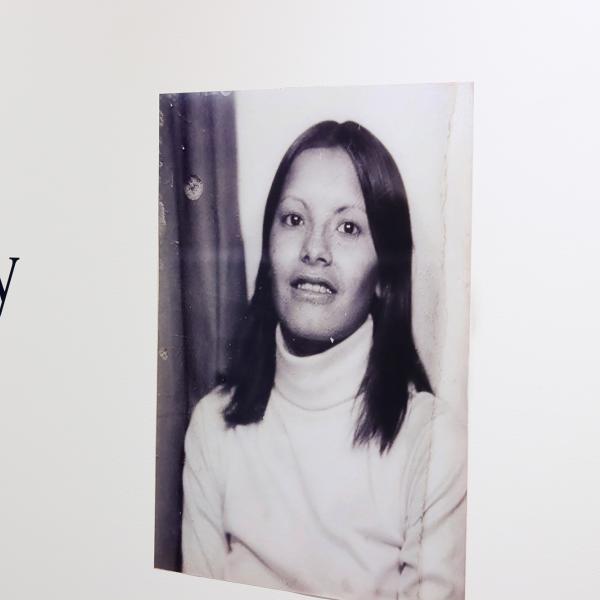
[313, 338]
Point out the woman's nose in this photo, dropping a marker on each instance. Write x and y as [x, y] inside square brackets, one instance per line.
[316, 248]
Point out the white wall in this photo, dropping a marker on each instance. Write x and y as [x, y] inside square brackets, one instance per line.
[428, 130]
[78, 186]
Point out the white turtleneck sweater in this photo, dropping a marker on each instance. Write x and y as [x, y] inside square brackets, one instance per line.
[290, 503]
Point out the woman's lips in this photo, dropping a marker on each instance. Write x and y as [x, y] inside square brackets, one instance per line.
[314, 287]
[316, 291]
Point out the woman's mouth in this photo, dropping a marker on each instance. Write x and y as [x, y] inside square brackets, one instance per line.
[314, 287]
[313, 290]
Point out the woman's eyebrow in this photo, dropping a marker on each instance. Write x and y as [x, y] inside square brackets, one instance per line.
[293, 198]
[348, 207]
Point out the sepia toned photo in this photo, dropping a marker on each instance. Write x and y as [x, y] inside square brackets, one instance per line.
[313, 339]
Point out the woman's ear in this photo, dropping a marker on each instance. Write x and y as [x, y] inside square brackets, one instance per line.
[378, 290]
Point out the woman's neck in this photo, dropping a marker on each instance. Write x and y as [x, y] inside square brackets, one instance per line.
[323, 379]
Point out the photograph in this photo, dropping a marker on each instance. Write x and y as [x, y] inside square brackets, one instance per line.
[313, 338]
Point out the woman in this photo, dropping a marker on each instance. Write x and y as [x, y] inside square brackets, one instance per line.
[325, 465]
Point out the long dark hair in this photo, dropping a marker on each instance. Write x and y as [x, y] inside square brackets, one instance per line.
[394, 363]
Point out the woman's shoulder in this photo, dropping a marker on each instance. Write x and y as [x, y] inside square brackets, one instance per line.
[430, 418]
[424, 408]
[207, 434]
[439, 454]
[207, 415]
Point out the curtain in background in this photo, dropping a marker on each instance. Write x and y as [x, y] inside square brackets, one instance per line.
[202, 286]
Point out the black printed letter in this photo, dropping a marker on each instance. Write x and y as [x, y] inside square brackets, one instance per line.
[4, 290]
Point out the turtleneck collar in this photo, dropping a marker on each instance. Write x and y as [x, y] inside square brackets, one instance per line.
[323, 380]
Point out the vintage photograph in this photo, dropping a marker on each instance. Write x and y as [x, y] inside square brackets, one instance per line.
[313, 342]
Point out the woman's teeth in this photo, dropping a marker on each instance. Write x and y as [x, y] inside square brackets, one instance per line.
[314, 287]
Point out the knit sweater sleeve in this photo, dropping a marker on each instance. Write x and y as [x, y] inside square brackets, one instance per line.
[203, 540]
[433, 556]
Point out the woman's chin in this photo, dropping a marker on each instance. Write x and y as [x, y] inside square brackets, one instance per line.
[304, 341]
[316, 328]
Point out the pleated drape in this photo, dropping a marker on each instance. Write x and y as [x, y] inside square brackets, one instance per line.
[202, 287]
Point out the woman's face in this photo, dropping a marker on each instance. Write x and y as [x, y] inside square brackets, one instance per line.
[323, 260]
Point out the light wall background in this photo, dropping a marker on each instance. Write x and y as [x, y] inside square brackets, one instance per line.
[78, 203]
[428, 130]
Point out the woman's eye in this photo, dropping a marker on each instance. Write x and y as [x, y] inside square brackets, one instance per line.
[292, 220]
[349, 228]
